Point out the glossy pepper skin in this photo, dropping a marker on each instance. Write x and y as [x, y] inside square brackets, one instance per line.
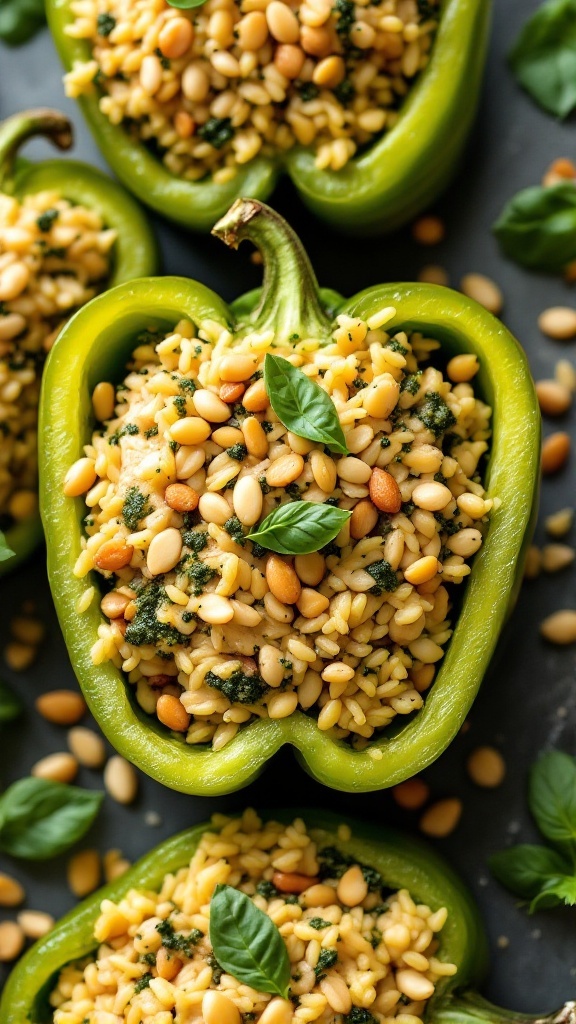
[96, 345]
[403, 864]
[387, 185]
[134, 251]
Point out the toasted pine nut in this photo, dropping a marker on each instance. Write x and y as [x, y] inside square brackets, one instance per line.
[181, 498]
[558, 322]
[282, 22]
[113, 554]
[121, 780]
[310, 568]
[114, 604]
[559, 523]
[164, 551]
[247, 500]
[554, 399]
[411, 794]
[441, 818]
[255, 398]
[432, 496]
[270, 666]
[87, 746]
[281, 705]
[329, 72]
[428, 230]
[231, 393]
[218, 1009]
[434, 274]
[555, 452]
[11, 941]
[285, 470]
[282, 580]
[319, 895]
[167, 964]
[311, 603]
[363, 519]
[252, 30]
[84, 871]
[414, 984]
[215, 609]
[289, 59]
[35, 923]
[422, 570]
[79, 478]
[292, 882]
[175, 37]
[172, 713]
[63, 707]
[352, 887]
[228, 436]
[254, 437]
[486, 767]
[463, 368]
[384, 491]
[190, 430]
[556, 557]
[19, 656]
[533, 563]
[324, 471]
[60, 767]
[278, 1011]
[483, 290]
[12, 894]
[103, 401]
[210, 407]
[214, 508]
[560, 627]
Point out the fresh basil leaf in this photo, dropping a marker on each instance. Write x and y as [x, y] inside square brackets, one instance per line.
[300, 527]
[10, 704]
[40, 819]
[537, 228]
[186, 5]
[246, 943]
[20, 20]
[5, 551]
[302, 405]
[554, 892]
[525, 869]
[552, 796]
[544, 57]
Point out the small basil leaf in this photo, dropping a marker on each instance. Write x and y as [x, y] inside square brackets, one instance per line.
[300, 527]
[5, 551]
[525, 869]
[246, 943]
[40, 819]
[186, 5]
[552, 796]
[20, 20]
[10, 704]
[557, 890]
[544, 57]
[537, 228]
[302, 405]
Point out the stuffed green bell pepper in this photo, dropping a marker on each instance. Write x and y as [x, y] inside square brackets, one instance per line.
[274, 921]
[366, 109]
[66, 232]
[275, 518]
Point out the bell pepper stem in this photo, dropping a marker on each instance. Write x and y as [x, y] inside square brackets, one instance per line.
[17, 129]
[471, 1008]
[290, 301]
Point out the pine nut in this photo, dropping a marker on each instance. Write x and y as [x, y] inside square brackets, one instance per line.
[310, 568]
[252, 30]
[362, 35]
[282, 580]
[221, 28]
[565, 374]
[195, 83]
[559, 523]
[282, 22]
[35, 923]
[60, 767]
[12, 894]
[217, 1009]
[560, 627]
[483, 290]
[431, 496]
[465, 542]
[281, 705]
[411, 794]
[363, 519]
[103, 401]
[352, 887]
[181, 498]
[13, 280]
[556, 557]
[79, 478]
[333, 986]
[255, 398]
[188, 461]
[329, 714]
[553, 398]
[319, 896]
[236, 368]
[278, 1011]
[23, 504]
[384, 491]
[113, 554]
[62, 707]
[215, 609]
[87, 746]
[269, 664]
[114, 604]
[555, 452]
[231, 393]
[311, 603]
[167, 964]
[28, 631]
[120, 780]
[151, 74]
[247, 500]
[353, 470]
[214, 508]
[255, 437]
[289, 59]
[414, 984]
[19, 657]
[434, 274]
[324, 471]
[11, 941]
[210, 407]
[227, 436]
[533, 563]
[83, 872]
[338, 672]
[172, 714]
[441, 818]
[381, 399]
[292, 881]
[558, 322]
[422, 570]
[428, 230]
[463, 368]
[175, 37]
[486, 767]
[472, 505]
[329, 72]
[190, 430]
[285, 470]
[164, 551]
[315, 41]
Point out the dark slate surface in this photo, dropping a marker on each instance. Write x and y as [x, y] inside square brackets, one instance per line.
[527, 703]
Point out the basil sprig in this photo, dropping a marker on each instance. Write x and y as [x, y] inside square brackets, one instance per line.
[302, 405]
[20, 20]
[247, 944]
[186, 5]
[537, 228]
[10, 704]
[5, 551]
[545, 876]
[300, 527]
[40, 819]
[544, 57]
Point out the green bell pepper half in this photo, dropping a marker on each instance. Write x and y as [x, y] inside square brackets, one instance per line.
[134, 251]
[95, 346]
[402, 862]
[402, 172]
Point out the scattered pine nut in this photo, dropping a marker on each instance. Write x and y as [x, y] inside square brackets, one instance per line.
[554, 399]
[441, 818]
[35, 923]
[428, 230]
[503, 942]
[556, 557]
[19, 656]
[565, 374]
[114, 864]
[486, 767]
[432, 273]
[12, 893]
[483, 290]
[62, 707]
[27, 630]
[87, 746]
[559, 523]
[558, 322]
[121, 780]
[60, 767]
[555, 452]
[11, 941]
[83, 872]
[560, 627]
[411, 794]
[533, 563]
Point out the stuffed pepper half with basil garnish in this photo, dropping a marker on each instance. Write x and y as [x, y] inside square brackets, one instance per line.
[309, 918]
[66, 233]
[265, 535]
[366, 106]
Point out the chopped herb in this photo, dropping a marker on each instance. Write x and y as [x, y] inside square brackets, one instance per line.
[440, 478]
[318, 923]
[46, 219]
[435, 414]
[187, 616]
[308, 91]
[148, 958]
[266, 889]
[345, 91]
[411, 383]
[267, 427]
[104, 24]
[143, 982]
[199, 574]
[331, 501]
[234, 527]
[358, 383]
[294, 491]
[285, 663]
[384, 575]
[384, 442]
[217, 131]
[195, 540]
[136, 507]
[180, 403]
[291, 899]
[264, 485]
[238, 452]
[181, 943]
[449, 526]
[127, 429]
[358, 1015]
[258, 551]
[395, 346]
[239, 688]
[345, 10]
[327, 958]
[407, 508]
[165, 61]
[145, 627]
[217, 970]
[187, 385]
[239, 411]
